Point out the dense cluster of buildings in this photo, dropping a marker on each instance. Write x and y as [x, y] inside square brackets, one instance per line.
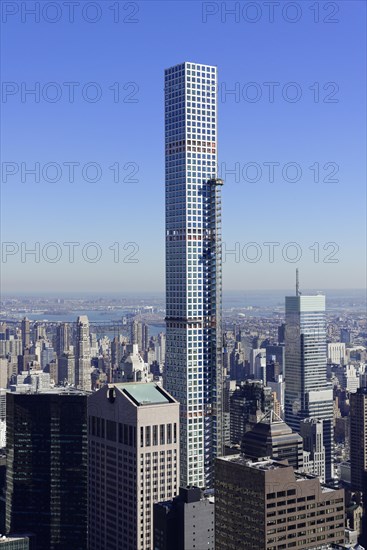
[247, 437]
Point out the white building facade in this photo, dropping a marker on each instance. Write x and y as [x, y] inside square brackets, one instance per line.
[83, 368]
[308, 394]
[193, 366]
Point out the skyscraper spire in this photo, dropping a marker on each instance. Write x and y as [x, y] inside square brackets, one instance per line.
[298, 293]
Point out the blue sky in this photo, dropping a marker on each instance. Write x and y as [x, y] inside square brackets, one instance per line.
[325, 128]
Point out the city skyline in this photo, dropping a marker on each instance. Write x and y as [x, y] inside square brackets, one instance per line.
[171, 172]
[253, 133]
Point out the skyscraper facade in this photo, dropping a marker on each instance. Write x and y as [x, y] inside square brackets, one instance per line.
[358, 438]
[272, 437]
[140, 335]
[83, 354]
[25, 333]
[133, 463]
[14, 543]
[193, 369]
[46, 470]
[307, 391]
[185, 522]
[267, 505]
[248, 403]
[313, 447]
[62, 339]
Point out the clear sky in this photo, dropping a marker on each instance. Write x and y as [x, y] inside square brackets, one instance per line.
[299, 82]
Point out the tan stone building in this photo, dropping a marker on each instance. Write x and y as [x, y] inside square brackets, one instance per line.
[133, 448]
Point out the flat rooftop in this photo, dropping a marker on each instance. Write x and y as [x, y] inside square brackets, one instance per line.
[266, 464]
[11, 538]
[269, 464]
[145, 393]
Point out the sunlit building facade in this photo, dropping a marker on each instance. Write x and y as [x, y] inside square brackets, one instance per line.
[308, 394]
[193, 368]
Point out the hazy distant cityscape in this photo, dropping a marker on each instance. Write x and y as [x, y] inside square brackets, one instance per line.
[56, 346]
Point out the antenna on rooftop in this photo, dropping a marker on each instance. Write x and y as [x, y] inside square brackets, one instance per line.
[298, 293]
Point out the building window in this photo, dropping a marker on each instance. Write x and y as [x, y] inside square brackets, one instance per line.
[155, 435]
[111, 430]
[147, 436]
[161, 436]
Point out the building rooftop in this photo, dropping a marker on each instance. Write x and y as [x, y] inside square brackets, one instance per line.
[12, 538]
[56, 390]
[267, 464]
[145, 393]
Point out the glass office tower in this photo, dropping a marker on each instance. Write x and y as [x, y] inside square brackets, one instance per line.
[193, 370]
[46, 467]
[308, 394]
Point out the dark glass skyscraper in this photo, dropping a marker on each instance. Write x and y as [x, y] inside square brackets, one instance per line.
[193, 369]
[358, 438]
[46, 490]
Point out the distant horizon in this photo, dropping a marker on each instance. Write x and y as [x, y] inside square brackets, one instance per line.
[139, 293]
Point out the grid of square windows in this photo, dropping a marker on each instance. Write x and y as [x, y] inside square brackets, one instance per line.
[191, 161]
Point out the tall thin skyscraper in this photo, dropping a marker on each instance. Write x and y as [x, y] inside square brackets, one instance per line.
[358, 438]
[82, 354]
[193, 369]
[62, 339]
[308, 394]
[25, 333]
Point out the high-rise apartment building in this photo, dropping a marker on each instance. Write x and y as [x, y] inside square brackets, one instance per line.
[358, 438]
[140, 335]
[258, 364]
[46, 485]
[336, 353]
[83, 368]
[308, 394]
[193, 369]
[133, 463]
[267, 505]
[47, 354]
[66, 368]
[62, 339]
[39, 331]
[161, 349]
[25, 333]
[313, 447]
